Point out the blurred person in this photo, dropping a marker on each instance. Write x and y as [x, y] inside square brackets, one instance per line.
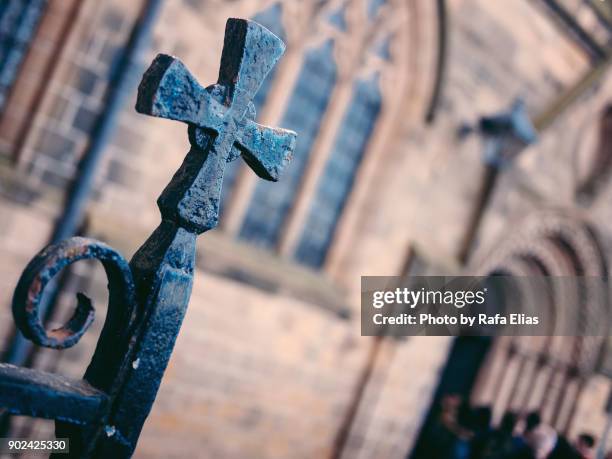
[500, 443]
[442, 438]
[542, 442]
[480, 425]
[531, 423]
[470, 422]
[585, 446]
[481, 420]
[449, 437]
[561, 448]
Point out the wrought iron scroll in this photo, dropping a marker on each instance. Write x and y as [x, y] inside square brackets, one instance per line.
[45, 266]
[104, 413]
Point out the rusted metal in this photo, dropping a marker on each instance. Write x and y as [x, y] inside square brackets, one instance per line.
[149, 296]
[49, 262]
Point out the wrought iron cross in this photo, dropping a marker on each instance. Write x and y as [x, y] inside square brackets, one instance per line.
[103, 414]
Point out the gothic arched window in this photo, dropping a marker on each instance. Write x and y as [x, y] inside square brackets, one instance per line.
[339, 75]
[337, 179]
[307, 105]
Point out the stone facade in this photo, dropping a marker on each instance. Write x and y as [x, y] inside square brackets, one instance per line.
[270, 355]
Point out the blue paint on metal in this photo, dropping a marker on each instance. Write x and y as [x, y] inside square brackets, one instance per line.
[338, 176]
[33, 393]
[272, 19]
[104, 413]
[270, 206]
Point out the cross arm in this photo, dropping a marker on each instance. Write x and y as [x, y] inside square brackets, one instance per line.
[266, 150]
[249, 53]
[169, 90]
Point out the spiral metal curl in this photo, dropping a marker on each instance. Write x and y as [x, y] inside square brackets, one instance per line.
[48, 263]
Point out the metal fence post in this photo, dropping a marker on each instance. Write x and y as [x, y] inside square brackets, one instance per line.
[104, 413]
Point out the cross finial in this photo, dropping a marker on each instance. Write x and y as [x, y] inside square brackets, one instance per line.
[221, 121]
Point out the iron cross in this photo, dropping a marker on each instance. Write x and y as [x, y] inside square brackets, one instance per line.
[220, 119]
[104, 413]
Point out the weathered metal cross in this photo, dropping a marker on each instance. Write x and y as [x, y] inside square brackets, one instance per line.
[103, 414]
[220, 120]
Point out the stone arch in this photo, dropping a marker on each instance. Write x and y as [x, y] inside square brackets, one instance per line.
[548, 373]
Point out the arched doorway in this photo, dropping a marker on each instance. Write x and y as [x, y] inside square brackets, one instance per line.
[547, 374]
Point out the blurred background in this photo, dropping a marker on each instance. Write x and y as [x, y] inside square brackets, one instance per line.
[435, 137]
